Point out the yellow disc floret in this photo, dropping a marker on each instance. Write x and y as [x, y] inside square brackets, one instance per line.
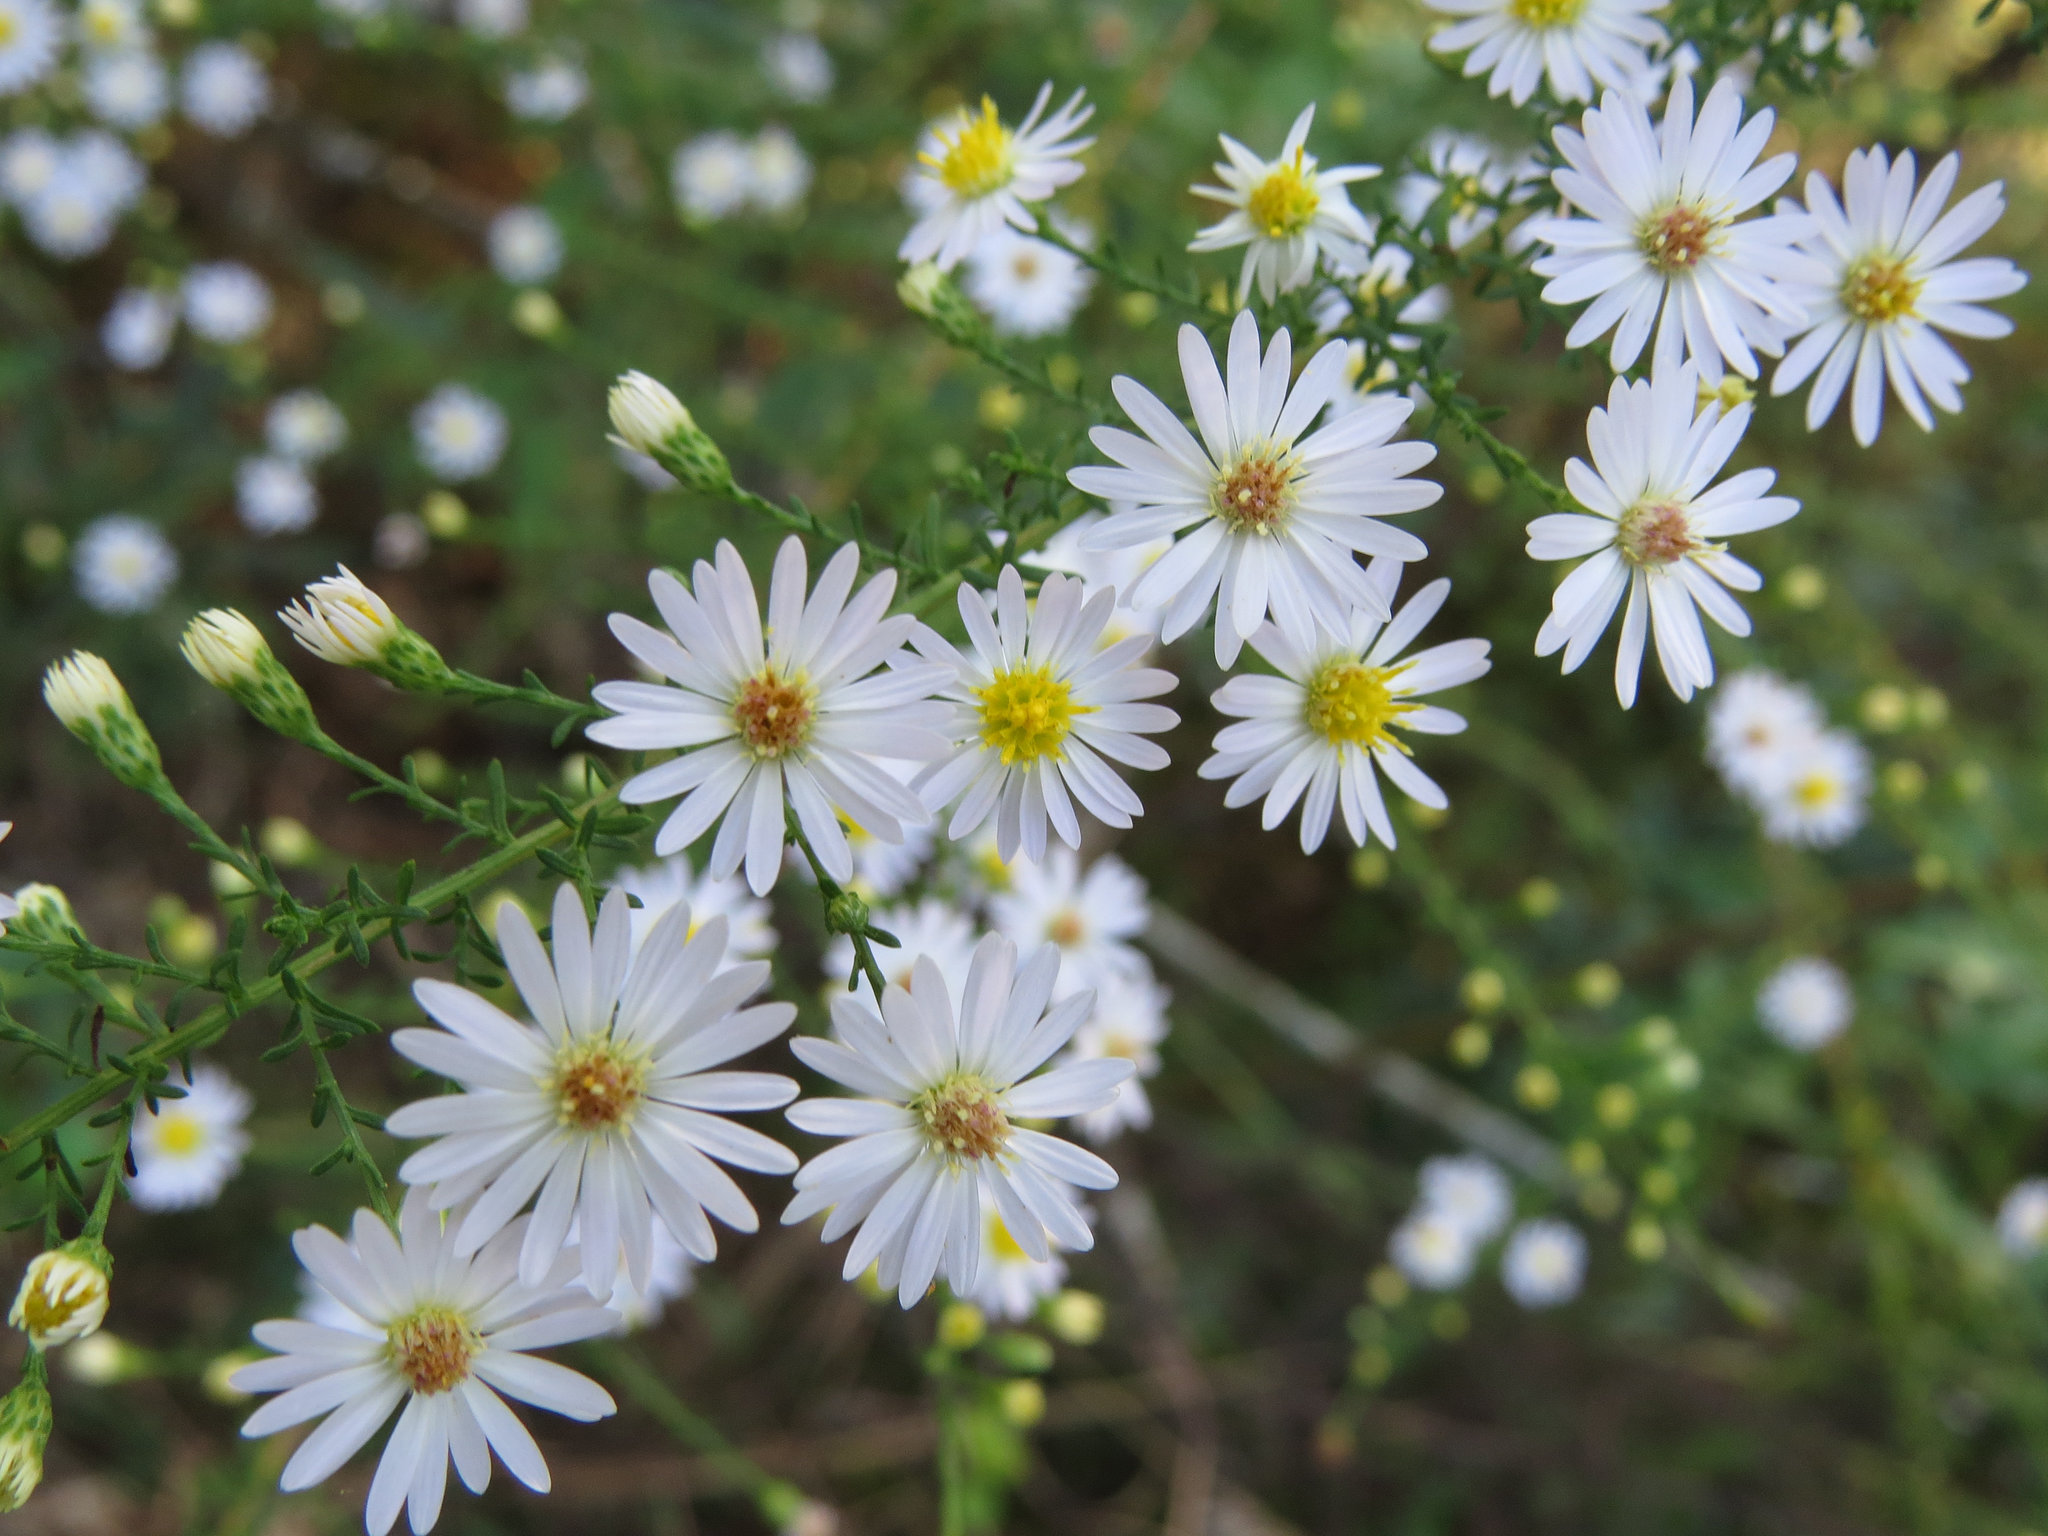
[1543, 14]
[597, 1084]
[179, 1135]
[1026, 713]
[1349, 701]
[1879, 289]
[977, 158]
[964, 1117]
[1285, 202]
[433, 1348]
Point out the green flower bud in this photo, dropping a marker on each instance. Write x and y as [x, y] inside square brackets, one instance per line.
[648, 418]
[25, 1421]
[341, 620]
[231, 653]
[83, 692]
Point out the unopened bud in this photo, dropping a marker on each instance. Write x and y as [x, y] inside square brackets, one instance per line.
[962, 1326]
[44, 912]
[1076, 1317]
[343, 621]
[226, 649]
[63, 1295]
[648, 418]
[847, 913]
[83, 692]
[25, 1422]
[927, 291]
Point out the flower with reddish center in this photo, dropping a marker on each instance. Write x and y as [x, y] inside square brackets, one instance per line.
[964, 1117]
[1285, 211]
[598, 1086]
[1251, 496]
[432, 1348]
[773, 714]
[1655, 533]
[1677, 239]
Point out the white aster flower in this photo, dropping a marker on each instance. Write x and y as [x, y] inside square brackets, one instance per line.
[91, 179]
[712, 176]
[798, 66]
[1655, 531]
[930, 929]
[1805, 1003]
[974, 174]
[1890, 283]
[305, 426]
[1758, 723]
[114, 26]
[1579, 45]
[1663, 230]
[1092, 919]
[671, 1275]
[2023, 1218]
[555, 88]
[123, 564]
[1545, 1263]
[934, 1140]
[1315, 732]
[275, 495]
[225, 302]
[1011, 1283]
[1470, 179]
[29, 158]
[1117, 569]
[1820, 793]
[605, 1106]
[525, 246]
[1468, 1190]
[492, 20]
[30, 31]
[105, 170]
[224, 89]
[778, 171]
[458, 434]
[1040, 711]
[1025, 285]
[799, 711]
[1432, 1250]
[1285, 210]
[187, 1150]
[138, 328]
[882, 869]
[127, 90]
[1373, 281]
[1271, 511]
[422, 1323]
[750, 935]
[1127, 1022]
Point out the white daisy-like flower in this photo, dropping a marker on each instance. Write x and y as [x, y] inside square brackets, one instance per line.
[779, 172]
[1469, 1190]
[1577, 45]
[1118, 569]
[95, 178]
[1128, 1021]
[127, 90]
[30, 31]
[1891, 283]
[800, 712]
[1758, 723]
[1040, 711]
[671, 1275]
[1374, 281]
[1544, 1264]
[750, 934]
[401, 541]
[1655, 527]
[798, 66]
[1820, 794]
[1663, 230]
[1269, 511]
[929, 929]
[1285, 211]
[492, 20]
[459, 434]
[553, 89]
[421, 1322]
[305, 426]
[113, 26]
[1470, 178]
[137, 330]
[712, 176]
[2023, 1218]
[123, 564]
[1432, 1250]
[275, 495]
[1315, 732]
[882, 869]
[1025, 285]
[187, 1149]
[29, 158]
[1092, 919]
[934, 1139]
[525, 245]
[223, 89]
[104, 169]
[1805, 1003]
[226, 302]
[606, 1106]
[1011, 1283]
[974, 174]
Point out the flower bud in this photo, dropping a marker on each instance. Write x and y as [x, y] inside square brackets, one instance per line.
[44, 912]
[63, 1295]
[25, 1421]
[83, 692]
[342, 621]
[648, 418]
[962, 1326]
[919, 287]
[927, 291]
[1076, 1316]
[231, 653]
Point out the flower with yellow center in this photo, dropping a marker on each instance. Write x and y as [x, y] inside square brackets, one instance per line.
[188, 1148]
[1820, 792]
[1011, 1283]
[1576, 46]
[30, 31]
[974, 157]
[1286, 210]
[1040, 710]
[1316, 733]
[975, 174]
[662, 884]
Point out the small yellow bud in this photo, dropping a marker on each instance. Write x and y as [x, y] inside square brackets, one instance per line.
[962, 1326]
[1598, 985]
[1471, 1044]
[1540, 898]
[1387, 1286]
[1483, 990]
[63, 1294]
[1646, 1240]
[1076, 1317]
[1883, 708]
[1616, 1105]
[1537, 1086]
[1023, 1402]
[1804, 588]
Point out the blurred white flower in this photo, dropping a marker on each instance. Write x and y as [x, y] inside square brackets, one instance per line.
[187, 1150]
[1092, 919]
[1025, 285]
[137, 330]
[1545, 1263]
[1119, 569]
[304, 425]
[275, 495]
[123, 564]
[492, 20]
[778, 171]
[671, 1275]
[712, 176]
[86, 183]
[30, 31]
[1285, 210]
[28, 161]
[458, 434]
[401, 541]
[974, 174]
[2023, 1218]
[798, 66]
[930, 929]
[1468, 1190]
[1011, 1283]
[1757, 725]
[1821, 792]
[223, 88]
[1471, 178]
[127, 90]
[1128, 1021]
[750, 934]
[1432, 1250]
[113, 26]
[1805, 1003]
[1372, 280]
[226, 302]
[525, 246]
[1579, 45]
[553, 89]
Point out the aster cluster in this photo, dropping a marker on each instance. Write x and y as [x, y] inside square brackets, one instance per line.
[1770, 741]
[1463, 1204]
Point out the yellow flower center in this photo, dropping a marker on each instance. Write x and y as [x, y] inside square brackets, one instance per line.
[1026, 713]
[1816, 791]
[1879, 289]
[1349, 701]
[963, 1116]
[1025, 265]
[773, 713]
[1005, 1247]
[977, 158]
[1253, 495]
[1655, 533]
[56, 1290]
[1676, 239]
[7, 28]
[433, 1348]
[1543, 14]
[103, 22]
[1285, 203]
[597, 1085]
[1066, 929]
[179, 1135]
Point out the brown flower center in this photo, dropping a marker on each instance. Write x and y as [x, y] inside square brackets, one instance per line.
[774, 713]
[1252, 496]
[433, 1348]
[1655, 533]
[962, 1115]
[597, 1086]
[1676, 239]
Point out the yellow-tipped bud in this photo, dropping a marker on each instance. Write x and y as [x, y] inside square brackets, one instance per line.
[83, 692]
